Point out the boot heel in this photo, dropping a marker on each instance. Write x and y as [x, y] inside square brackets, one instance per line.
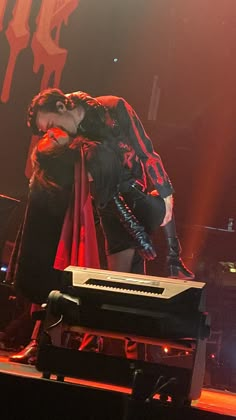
[27, 355]
[178, 270]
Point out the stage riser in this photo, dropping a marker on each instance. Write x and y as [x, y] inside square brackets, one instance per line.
[28, 398]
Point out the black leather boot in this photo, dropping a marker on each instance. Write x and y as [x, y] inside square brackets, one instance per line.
[176, 267]
[142, 240]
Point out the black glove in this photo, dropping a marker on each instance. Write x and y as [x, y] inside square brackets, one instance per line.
[137, 231]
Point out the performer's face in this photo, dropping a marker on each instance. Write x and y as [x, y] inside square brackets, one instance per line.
[65, 119]
[53, 135]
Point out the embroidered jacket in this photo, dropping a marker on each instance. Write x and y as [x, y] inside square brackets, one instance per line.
[135, 145]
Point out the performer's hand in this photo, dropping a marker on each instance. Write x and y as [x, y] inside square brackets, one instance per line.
[169, 201]
[145, 247]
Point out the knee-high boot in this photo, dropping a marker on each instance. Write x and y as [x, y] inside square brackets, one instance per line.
[175, 264]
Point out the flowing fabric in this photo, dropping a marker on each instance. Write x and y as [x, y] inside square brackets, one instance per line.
[78, 243]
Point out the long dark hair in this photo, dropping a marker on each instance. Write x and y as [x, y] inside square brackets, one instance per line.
[40, 179]
[53, 168]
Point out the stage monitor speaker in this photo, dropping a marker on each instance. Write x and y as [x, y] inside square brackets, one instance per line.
[151, 310]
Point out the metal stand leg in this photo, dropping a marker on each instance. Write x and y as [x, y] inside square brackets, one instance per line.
[137, 403]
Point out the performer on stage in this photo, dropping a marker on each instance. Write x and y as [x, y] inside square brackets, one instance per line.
[97, 148]
[110, 117]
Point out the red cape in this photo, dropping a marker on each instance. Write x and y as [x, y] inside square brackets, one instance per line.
[78, 243]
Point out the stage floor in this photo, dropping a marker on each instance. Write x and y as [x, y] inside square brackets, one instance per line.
[221, 402]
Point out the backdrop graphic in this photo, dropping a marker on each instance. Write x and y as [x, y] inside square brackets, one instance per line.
[45, 47]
